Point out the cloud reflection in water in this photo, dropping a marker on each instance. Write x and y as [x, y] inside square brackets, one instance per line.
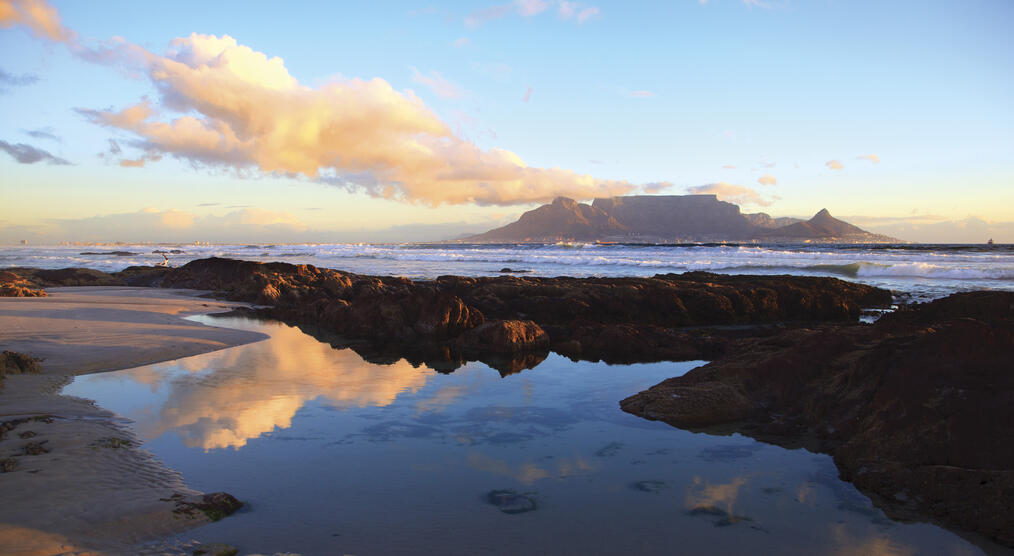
[231, 396]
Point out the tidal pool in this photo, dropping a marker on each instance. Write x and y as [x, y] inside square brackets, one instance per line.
[337, 455]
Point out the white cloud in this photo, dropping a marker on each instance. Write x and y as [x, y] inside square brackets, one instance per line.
[640, 94]
[528, 8]
[461, 42]
[586, 14]
[567, 10]
[738, 194]
[528, 95]
[436, 83]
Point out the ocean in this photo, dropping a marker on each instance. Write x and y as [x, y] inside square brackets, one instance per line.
[917, 272]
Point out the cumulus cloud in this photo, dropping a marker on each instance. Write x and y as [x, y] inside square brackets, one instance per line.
[767, 179]
[834, 164]
[226, 104]
[38, 16]
[27, 154]
[871, 157]
[436, 83]
[738, 194]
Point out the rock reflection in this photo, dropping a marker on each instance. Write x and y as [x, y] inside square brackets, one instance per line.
[234, 395]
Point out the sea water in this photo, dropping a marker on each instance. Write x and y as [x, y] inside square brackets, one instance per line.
[333, 454]
[921, 272]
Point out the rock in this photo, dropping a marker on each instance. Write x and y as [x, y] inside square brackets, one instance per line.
[506, 337]
[510, 502]
[214, 506]
[621, 320]
[215, 549]
[918, 405]
[14, 363]
[13, 285]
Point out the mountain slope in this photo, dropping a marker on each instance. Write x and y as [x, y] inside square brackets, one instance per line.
[823, 226]
[563, 219]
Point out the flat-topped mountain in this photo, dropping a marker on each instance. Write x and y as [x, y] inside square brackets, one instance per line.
[669, 218]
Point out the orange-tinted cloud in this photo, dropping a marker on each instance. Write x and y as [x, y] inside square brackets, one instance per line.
[739, 194]
[225, 104]
[871, 157]
[834, 164]
[767, 179]
[38, 16]
[243, 109]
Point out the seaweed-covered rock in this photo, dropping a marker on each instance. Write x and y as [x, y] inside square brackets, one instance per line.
[13, 285]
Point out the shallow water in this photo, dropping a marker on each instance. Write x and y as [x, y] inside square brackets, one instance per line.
[337, 455]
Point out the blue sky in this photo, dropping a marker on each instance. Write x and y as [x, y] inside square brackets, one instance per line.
[895, 115]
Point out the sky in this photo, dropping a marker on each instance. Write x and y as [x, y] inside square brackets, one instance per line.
[406, 121]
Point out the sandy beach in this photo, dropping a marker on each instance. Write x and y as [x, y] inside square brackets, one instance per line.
[81, 481]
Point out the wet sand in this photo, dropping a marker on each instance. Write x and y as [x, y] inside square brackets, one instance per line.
[78, 480]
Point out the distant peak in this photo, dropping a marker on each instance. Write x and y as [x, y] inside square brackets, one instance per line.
[823, 212]
[565, 201]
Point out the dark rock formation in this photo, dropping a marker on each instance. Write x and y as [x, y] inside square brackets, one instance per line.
[214, 506]
[916, 409]
[512, 321]
[49, 278]
[14, 363]
[13, 285]
[616, 319]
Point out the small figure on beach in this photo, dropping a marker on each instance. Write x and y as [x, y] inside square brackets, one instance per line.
[165, 261]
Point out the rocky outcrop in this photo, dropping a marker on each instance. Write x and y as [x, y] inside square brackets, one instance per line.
[916, 409]
[13, 285]
[440, 322]
[14, 363]
[615, 319]
[47, 278]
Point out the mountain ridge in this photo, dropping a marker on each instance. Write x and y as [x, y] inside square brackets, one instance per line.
[666, 219]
